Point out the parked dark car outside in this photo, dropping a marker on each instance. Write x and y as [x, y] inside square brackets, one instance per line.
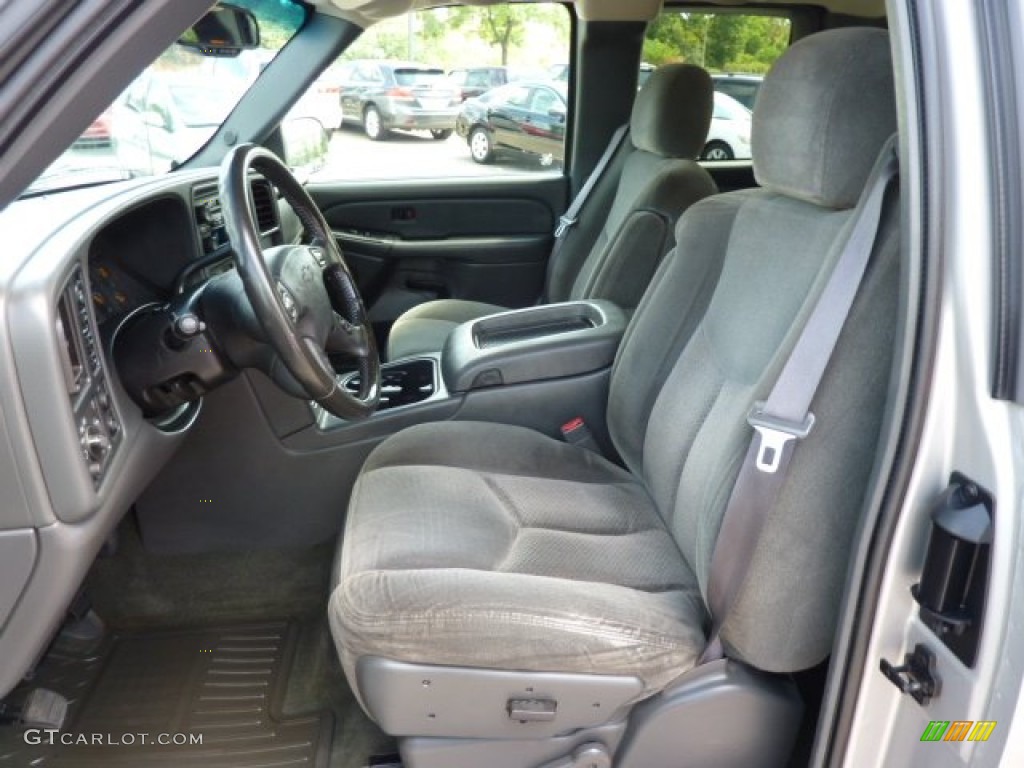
[382, 96]
[743, 88]
[475, 81]
[524, 117]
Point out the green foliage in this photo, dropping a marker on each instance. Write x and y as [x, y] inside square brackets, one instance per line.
[720, 42]
[530, 35]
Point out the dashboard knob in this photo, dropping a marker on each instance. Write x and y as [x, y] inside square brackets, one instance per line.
[95, 443]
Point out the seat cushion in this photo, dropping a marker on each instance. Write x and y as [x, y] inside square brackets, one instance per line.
[493, 546]
[424, 328]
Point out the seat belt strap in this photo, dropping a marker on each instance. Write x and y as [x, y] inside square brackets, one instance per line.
[569, 219]
[785, 416]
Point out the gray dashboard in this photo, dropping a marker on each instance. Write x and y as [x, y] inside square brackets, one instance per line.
[75, 450]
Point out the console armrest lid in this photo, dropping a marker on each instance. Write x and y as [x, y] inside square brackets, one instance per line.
[533, 344]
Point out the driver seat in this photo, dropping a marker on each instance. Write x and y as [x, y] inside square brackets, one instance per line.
[506, 599]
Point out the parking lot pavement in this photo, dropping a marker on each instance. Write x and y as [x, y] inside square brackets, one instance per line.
[412, 155]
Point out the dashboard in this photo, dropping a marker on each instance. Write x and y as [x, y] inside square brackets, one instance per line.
[75, 450]
[152, 252]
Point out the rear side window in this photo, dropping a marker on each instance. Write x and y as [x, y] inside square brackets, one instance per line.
[742, 90]
[418, 76]
[737, 49]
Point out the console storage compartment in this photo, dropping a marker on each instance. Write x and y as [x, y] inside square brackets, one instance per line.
[533, 344]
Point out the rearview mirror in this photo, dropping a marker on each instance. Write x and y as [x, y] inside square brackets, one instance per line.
[558, 113]
[225, 30]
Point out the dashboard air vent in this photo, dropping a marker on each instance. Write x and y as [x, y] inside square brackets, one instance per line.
[266, 206]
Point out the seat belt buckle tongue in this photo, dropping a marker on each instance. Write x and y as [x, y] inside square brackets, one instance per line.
[774, 434]
[565, 223]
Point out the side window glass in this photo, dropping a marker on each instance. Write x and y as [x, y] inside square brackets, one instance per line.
[544, 101]
[415, 96]
[518, 96]
[737, 49]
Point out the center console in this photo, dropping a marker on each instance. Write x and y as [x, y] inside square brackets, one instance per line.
[526, 366]
[548, 342]
[406, 382]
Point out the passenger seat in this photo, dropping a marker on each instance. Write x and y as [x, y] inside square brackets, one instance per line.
[613, 259]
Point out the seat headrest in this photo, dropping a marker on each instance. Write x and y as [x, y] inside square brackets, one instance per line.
[672, 112]
[822, 115]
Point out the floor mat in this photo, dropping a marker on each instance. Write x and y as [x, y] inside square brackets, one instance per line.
[221, 686]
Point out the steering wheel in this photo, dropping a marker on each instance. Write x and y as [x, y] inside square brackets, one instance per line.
[303, 296]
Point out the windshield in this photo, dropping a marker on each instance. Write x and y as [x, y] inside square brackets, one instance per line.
[201, 105]
[172, 109]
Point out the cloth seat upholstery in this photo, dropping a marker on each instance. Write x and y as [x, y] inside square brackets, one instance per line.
[492, 546]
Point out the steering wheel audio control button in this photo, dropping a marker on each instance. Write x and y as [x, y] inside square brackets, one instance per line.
[318, 256]
[288, 302]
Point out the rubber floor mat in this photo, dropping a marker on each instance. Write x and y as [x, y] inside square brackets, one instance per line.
[206, 698]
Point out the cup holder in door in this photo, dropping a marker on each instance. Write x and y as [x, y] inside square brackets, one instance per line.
[401, 383]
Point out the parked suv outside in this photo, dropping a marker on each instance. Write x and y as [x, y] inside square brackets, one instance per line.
[386, 95]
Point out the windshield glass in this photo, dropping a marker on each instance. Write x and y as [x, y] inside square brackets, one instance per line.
[172, 109]
[200, 105]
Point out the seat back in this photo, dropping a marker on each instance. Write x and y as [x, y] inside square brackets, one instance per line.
[617, 246]
[719, 321]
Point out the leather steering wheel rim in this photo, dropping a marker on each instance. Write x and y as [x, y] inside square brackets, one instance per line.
[305, 357]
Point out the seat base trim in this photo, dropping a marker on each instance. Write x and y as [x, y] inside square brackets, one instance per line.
[463, 702]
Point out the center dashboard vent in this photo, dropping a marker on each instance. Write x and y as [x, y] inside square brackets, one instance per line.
[266, 206]
[210, 218]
